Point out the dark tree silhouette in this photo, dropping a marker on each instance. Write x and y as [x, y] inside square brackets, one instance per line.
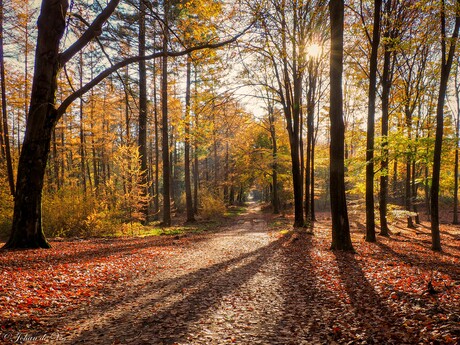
[340, 225]
[370, 216]
[447, 58]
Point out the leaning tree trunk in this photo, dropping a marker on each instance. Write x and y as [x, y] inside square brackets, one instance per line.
[27, 231]
[341, 238]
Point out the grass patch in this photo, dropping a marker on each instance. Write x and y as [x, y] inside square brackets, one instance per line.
[154, 229]
[277, 223]
[234, 211]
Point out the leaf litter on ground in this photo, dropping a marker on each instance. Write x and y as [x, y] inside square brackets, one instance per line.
[395, 291]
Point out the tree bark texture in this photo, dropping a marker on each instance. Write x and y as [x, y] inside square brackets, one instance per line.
[188, 183]
[27, 229]
[383, 192]
[341, 239]
[446, 64]
[164, 128]
[370, 216]
[4, 135]
[142, 137]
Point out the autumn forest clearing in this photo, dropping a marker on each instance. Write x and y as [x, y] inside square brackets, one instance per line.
[249, 281]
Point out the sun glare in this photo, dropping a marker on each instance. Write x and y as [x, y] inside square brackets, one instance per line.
[314, 51]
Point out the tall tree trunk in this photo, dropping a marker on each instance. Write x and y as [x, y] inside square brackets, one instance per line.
[297, 181]
[226, 170]
[127, 110]
[196, 175]
[414, 183]
[196, 172]
[188, 185]
[93, 144]
[383, 193]
[407, 188]
[341, 238]
[164, 122]
[4, 135]
[457, 142]
[26, 68]
[82, 131]
[142, 136]
[27, 229]
[414, 190]
[310, 115]
[63, 161]
[312, 181]
[156, 200]
[370, 216]
[275, 197]
[446, 64]
[214, 150]
[291, 101]
[172, 168]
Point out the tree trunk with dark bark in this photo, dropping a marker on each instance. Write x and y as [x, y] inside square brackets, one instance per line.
[27, 231]
[275, 196]
[309, 165]
[142, 128]
[446, 64]
[165, 129]
[156, 200]
[457, 142]
[370, 216]
[82, 131]
[5, 139]
[341, 238]
[188, 184]
[383, 193]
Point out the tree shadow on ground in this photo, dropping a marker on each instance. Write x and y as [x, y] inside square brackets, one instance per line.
[307, 313]
[103, 248]
[164, 311]
[377, 322]
[414, 260]
[425, 243]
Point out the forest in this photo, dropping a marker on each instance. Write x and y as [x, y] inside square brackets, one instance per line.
[143, 128]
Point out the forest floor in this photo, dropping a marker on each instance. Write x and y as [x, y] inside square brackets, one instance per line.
[248, 282]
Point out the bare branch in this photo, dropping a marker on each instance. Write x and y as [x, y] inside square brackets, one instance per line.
[94, 30]
[104, 74]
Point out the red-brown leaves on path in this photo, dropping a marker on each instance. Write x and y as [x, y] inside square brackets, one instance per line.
[37, 285]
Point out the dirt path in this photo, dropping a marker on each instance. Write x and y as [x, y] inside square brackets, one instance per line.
[224, 289]
[248, 284]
